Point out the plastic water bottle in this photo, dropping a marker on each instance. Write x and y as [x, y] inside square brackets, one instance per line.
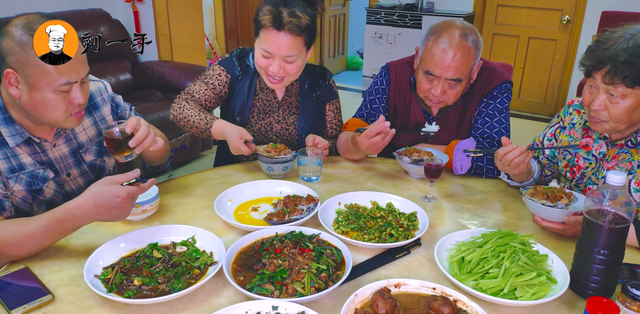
[608, 213]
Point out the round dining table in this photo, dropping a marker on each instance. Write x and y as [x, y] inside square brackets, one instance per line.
[464, 202]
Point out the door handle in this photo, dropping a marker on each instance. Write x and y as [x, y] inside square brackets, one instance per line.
[566, 20]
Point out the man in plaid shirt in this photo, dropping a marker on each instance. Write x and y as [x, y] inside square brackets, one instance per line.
[57, 175]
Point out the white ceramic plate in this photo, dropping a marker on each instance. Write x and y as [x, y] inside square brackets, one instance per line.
[327, 214]
[362, 295]
[559, 270]
[417, 170]
[266, 307]
[229, 200]
[268, 232]
[127, 243]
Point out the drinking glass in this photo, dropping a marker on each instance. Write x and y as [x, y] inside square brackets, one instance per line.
[117, 140]
[310, 164]
[433, 168]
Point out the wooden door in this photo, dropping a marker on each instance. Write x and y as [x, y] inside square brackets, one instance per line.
[175, 24]
[238, 20]
[335, 32]
[531, 36]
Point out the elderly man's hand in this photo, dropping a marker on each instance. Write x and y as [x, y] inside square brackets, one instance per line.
[514, 160]
[145, 135]
[569, 228]
[375, 138]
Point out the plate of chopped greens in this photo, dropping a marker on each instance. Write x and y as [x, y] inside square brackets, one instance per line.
[266, 307]
[154, 264]
[502, 266]
[373, 219]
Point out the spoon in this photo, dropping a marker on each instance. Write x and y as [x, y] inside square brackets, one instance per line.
[307, 211]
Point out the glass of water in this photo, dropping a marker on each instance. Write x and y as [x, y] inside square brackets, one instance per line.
[310, 164]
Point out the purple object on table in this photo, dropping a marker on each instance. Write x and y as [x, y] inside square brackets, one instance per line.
[461, 160]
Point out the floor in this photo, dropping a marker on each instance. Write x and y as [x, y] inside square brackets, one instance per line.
[522, 132]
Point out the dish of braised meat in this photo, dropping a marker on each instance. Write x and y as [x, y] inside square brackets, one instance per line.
[413, 152]
[551, 196]
[384, 302]
[292, 205]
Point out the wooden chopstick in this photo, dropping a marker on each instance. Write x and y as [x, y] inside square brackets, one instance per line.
[480, 152]
[382, 259]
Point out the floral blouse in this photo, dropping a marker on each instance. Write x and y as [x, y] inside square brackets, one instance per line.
[585, 169]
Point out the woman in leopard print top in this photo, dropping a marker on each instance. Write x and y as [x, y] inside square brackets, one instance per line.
[267, 93]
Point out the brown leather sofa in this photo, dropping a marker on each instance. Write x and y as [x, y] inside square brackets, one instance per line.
[149, 86]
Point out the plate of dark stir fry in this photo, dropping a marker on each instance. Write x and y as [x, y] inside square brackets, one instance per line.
[155, 264]
[296, 264]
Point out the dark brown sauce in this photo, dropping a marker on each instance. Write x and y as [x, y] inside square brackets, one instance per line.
[410, 301]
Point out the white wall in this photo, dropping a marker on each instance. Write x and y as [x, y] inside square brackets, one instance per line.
[459, 5]
[357, 20]
[117, 8]
[589, 28]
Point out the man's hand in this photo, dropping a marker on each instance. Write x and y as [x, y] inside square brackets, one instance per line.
[375, 138]
[145, 135]
[318, 142]
[108, 200]
[239, 140]
[514, 160]
[569, 228]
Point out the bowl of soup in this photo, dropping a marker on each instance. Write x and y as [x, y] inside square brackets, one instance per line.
[291, 263]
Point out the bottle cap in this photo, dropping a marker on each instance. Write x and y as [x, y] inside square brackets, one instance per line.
[601, 305]
[632, 290]
[616, 178]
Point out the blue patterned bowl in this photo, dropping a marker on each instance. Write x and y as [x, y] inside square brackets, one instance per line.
[276, 169]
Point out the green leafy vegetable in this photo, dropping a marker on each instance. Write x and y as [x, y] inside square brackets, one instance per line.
[502, 264]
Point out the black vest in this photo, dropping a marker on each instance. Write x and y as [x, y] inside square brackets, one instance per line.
[315, 92]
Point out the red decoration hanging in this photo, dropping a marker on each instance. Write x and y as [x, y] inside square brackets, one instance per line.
[136, 17]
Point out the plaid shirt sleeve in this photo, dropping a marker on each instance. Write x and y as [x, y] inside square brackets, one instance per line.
[490, 123]
[376, 98]
[120, 109]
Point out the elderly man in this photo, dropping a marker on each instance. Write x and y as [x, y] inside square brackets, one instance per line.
[57, 176]
[56, 42]
[605, 122]
[447, 83]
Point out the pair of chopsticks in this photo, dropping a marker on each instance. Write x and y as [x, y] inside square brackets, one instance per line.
[481, 152]
[361, 130]
[382, 259]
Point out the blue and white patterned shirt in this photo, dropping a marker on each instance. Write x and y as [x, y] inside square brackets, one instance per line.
[490, 123]
[38, 175]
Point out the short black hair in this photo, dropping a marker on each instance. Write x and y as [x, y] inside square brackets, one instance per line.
[617, 51]
[20, 28]
[296, 17]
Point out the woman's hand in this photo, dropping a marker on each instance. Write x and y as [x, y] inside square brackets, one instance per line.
[239, 140]
[318, 142]
[569, 228]
[514, 160]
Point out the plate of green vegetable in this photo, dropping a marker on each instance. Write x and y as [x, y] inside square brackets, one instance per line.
[154, 264]
[502, 266]
[373, 219]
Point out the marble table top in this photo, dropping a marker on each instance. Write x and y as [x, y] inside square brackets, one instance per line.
[464, 202]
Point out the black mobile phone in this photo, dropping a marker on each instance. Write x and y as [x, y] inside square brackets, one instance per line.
[134, 182]
[22, 291]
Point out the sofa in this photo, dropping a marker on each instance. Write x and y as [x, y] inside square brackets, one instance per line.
[149, 86]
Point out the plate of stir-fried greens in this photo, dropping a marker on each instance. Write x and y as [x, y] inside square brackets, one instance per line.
[291, 263]
[155, 264]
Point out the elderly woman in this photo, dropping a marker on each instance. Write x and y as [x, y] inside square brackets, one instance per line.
[268, 93]
[606, 123]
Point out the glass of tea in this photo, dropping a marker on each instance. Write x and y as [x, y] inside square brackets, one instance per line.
[433, 168]
[117, 140]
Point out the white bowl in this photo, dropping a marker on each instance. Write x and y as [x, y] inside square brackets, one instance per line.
[146, 204]
[417, 170]
[558, 269]
[127, 243]
[327, 214]
[276, 167]
[555, 214]
[362, 295]
[266, 307]
[230, 199]
[265, 233]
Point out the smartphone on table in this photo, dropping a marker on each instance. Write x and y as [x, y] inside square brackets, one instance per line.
[21, 290]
